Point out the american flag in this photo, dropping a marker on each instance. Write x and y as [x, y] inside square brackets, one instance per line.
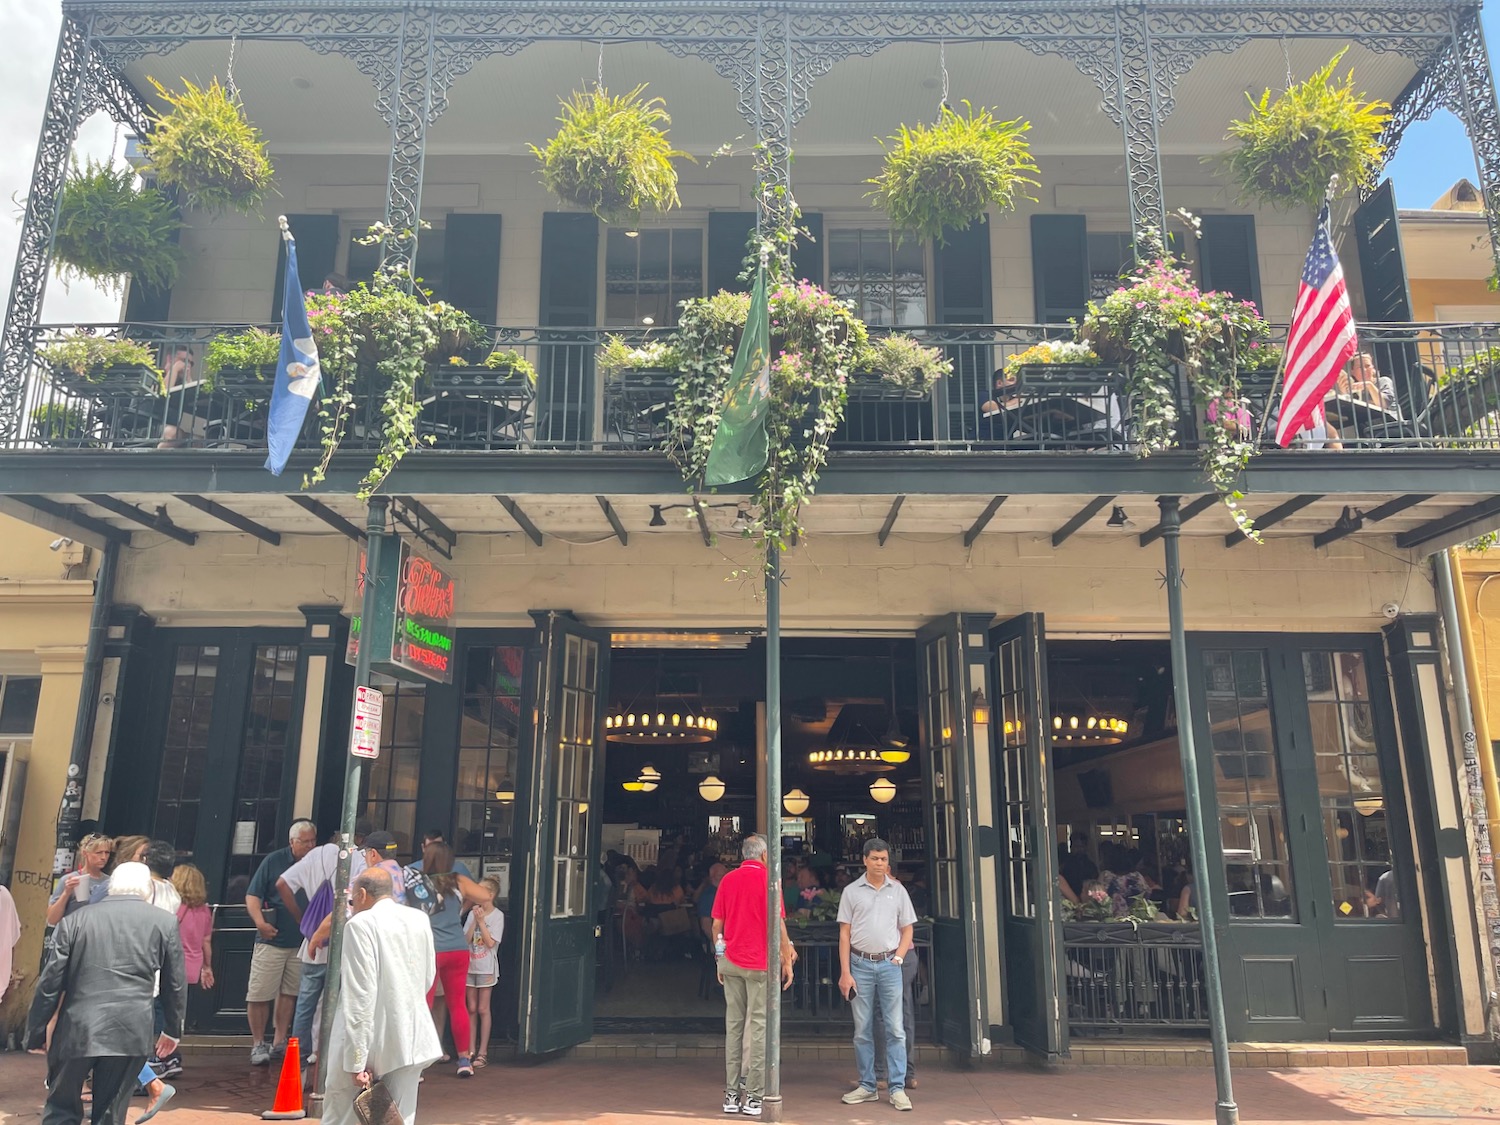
[1320, 340]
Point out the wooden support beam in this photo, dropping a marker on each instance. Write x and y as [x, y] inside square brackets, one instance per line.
[614, 520]
[1272, 518]
[1194, 507]
[1086, 513]
[1374, 515]
[1459, 521]
[327, 515]
[65, 519]
[233, 519]
[890, 519]
[429, 522]
[702, 516]
[521, 518]
[984, 520]
[156, 521]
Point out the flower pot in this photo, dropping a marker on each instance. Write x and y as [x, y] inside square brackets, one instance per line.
[453, 377]
[243, 378]
[866, 386]
[108, 382]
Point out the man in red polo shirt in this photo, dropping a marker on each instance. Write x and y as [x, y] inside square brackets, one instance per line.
[740, 943]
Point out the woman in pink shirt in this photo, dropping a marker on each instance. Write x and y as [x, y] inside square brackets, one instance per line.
[195, 924]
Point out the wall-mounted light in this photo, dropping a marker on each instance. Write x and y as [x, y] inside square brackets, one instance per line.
[979, 708]
[883, 790]
[711, 788]
[795, 802]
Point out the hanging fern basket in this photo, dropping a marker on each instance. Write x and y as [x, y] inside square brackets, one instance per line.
[948, 174]
[108, 230]
[611, 155]
[1288, 150]
[207, 149]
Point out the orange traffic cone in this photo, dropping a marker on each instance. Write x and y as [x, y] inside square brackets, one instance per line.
[288, 1104]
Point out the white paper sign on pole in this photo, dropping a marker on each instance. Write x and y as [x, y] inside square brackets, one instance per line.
[364, 739]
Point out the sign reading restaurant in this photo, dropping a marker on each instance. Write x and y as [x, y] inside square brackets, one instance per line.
[412, 630]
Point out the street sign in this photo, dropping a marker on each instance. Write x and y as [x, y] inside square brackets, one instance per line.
[364, 739]
[412, 631]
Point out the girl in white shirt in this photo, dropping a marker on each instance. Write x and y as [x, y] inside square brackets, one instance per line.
[484, 928]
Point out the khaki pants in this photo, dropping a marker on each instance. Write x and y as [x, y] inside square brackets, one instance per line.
[744, 1003]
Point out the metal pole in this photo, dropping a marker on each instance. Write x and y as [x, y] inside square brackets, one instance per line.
[771, 1104]
[71, 811]
[353, 784]
[1226, 1112]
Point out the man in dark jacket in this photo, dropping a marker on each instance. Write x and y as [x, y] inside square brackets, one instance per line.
[103, 973]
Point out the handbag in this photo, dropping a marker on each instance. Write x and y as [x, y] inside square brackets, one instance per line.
[676, 921]
[375, 1106]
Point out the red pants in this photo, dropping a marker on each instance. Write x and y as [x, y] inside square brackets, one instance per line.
[453, 971]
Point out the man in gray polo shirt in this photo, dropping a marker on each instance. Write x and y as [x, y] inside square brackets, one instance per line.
[875, 935]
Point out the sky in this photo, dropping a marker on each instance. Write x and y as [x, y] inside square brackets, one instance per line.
[1432, 155]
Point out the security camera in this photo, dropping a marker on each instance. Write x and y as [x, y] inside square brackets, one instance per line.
[59, 543]
[1391, 610]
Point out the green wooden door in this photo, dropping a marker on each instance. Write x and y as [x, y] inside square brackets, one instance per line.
[1028, 856]
[947, 775]
[1314, 878]
[564, 790]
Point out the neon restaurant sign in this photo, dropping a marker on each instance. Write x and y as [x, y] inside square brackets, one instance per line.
[412, 630]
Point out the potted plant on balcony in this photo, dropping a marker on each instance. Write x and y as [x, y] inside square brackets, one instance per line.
[108, 230]
[897, 367]
[815, 338]
[1177, 341]
[1288, 151]
[206, 148]
[94, 366]
[952, 172]
[654, 361]
[1467, 398]
[510, 364]
[233, 360]
[57, 423]
[611, 155]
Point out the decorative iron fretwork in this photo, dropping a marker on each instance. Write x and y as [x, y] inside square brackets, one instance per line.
[1480, 115]
[408, 100]
[65, 102]
[1140, 116]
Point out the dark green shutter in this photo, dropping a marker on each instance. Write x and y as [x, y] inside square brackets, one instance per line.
[728, 243]
[570, 298]
[472, 245]
[150, 304]
[807, 255]
[1059, 267]
[961, 295]
[317, 250]
[1226, 252]
[1382, 270]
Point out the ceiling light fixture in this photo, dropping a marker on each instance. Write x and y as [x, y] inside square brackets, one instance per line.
[711, 789]
[849, 761]
[883, 789]
[894, 743]
[1099, 730]
[660, 728]
[796, 802]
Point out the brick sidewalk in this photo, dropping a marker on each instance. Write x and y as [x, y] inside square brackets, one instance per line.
[601, 1092]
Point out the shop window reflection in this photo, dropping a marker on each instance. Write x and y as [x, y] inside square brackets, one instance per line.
[484, 801]
[391, 784]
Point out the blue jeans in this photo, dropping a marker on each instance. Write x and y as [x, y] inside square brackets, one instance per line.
[309, 993]
[878, 984]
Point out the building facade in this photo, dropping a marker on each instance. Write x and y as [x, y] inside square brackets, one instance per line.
[974, 597]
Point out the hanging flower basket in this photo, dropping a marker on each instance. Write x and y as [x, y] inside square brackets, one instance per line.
[205, 147]
[898, 367]
[612, 156]
[1288, 150]
[107, 230]
[948, 174]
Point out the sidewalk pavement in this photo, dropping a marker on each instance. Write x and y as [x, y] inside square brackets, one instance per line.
[620, 1092]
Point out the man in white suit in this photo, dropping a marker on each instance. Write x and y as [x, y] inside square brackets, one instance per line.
[383, 1030]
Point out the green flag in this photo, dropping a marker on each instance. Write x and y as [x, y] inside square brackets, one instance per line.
[741, 448]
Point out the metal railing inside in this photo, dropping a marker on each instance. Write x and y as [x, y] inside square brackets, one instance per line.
[1119, 975]
[1437, 386]
[814, 1003]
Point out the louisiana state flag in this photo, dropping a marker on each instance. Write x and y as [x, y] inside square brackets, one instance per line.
[297, 373]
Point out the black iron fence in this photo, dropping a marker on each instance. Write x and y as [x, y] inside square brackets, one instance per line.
[814, 1002]
[1428, 386]
[1120, 975]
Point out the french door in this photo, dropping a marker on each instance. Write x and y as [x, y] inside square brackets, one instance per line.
[1313, 876]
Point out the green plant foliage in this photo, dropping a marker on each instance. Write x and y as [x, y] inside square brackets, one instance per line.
[902, 362]
[56, 421]
[107, 230]
[512, 361]
[459, 334]
[815, 339]
[953, 172]
[250, 350]
[205, 147]
[1052, 352]
[1288, 150]
[616, 356]
[88, 357]
[612, 155]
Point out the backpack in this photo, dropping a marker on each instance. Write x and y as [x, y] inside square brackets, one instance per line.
[420, 891]
[319, 907]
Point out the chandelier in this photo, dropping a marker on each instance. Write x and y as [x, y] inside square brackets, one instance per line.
[849, 761]
[660, 728]
[1094, 730]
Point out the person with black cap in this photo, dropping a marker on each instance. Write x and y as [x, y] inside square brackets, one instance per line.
[380, 851]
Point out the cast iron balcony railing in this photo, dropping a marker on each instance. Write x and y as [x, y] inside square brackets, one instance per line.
[1439, 388]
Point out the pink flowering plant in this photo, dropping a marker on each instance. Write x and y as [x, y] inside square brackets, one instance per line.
[1159, 322]
[815, 340]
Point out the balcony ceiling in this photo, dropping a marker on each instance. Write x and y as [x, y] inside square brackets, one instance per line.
[307, 102]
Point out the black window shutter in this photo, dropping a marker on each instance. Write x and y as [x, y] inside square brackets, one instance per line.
[473, 250]
[317, 249]
[728, 239]
[807, 255]
[962, 283]
[570, 298]
[1059, 267]
[1226, 253]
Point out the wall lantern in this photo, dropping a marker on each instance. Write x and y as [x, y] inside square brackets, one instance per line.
[979, 707]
